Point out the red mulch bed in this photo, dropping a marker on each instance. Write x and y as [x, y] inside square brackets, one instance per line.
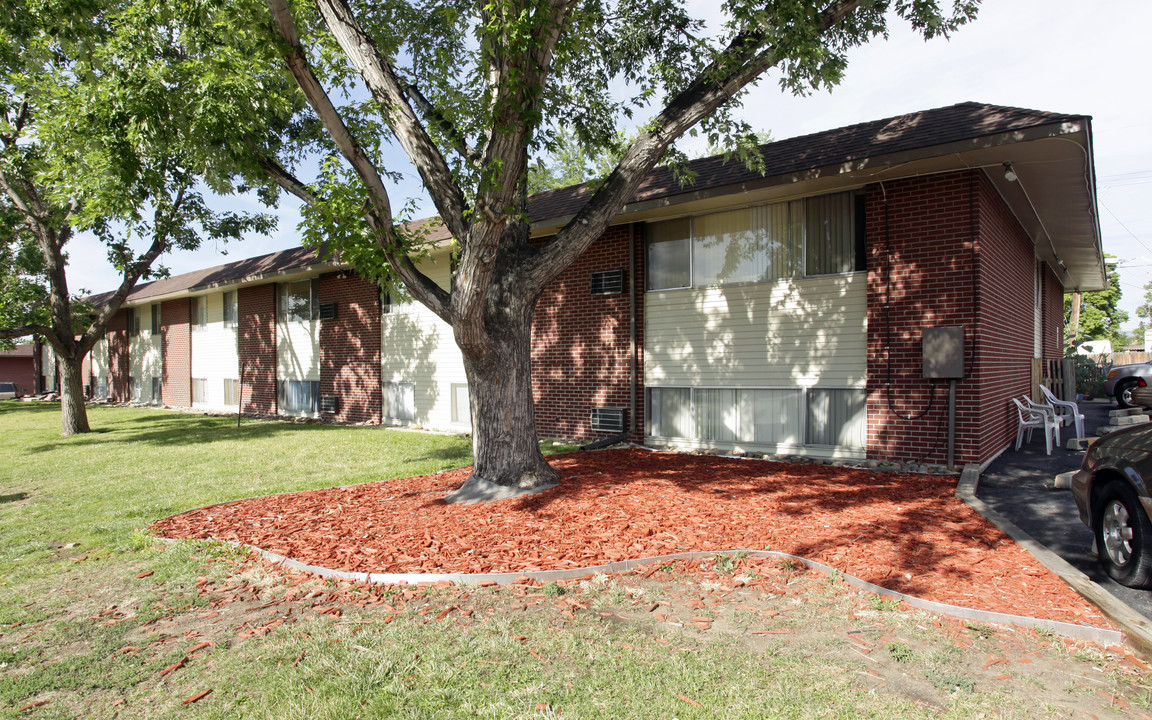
[904, 532]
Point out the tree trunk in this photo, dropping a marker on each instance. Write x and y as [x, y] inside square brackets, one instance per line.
[505, 446]
[73, 413]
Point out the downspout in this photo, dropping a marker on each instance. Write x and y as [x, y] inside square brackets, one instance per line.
[632, 364]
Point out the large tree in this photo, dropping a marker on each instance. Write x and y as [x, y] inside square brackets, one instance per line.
[104, 129]
[470, 90]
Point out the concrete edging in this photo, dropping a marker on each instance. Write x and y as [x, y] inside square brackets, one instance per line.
[1137, 630]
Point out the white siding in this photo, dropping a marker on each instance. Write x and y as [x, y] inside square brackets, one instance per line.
[788, 333]
[418, 347]
[145, 355]
[48, 367]
[100, 362]
[214, 354]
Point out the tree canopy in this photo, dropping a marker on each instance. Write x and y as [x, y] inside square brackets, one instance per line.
[106, 127]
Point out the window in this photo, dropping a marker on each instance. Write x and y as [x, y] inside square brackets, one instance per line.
[102, 388]
[394, 303]
[836, 417]
[670, 412]
[157, 384]
[399, 401]
[299, 397]
[298, 301]
[461, 404]
[155, 318]
[134, 389]
[814, 236]
[231, 392]
[770, 416]
[200, 311]
[133, 320]
[230, 309]
[199, 391]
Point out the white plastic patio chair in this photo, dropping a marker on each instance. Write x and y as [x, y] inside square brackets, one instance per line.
[1045, 408]
[1032, 418]
[1067, 411]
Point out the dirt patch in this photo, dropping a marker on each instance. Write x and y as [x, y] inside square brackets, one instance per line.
[904, 532]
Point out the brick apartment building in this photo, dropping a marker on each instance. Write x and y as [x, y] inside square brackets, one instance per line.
[783, 312]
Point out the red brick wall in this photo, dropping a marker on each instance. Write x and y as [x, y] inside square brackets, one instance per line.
[176, 349]
[920, 275]
[1007, 318]
[117, 334]
[350, 348]
[1053, 315]
[19, 369]
[256, 327]
[580, 342]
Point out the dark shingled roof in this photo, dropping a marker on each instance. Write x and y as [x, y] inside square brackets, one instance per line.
[914, 131]
[830, 147]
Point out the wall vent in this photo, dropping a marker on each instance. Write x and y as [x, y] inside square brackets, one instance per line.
[328, 311]
[329, 404]
[608, 419]
[608, 282]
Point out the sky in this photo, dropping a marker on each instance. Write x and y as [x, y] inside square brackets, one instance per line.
[1053, 55]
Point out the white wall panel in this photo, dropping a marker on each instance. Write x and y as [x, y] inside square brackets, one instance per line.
[418, 347]
[788, 333]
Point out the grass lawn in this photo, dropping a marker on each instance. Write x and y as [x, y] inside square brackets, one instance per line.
[99, 620]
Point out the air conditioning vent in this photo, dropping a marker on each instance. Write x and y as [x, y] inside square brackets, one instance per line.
[328, 311]
[608, 282]
[329, 404]
[610, 420]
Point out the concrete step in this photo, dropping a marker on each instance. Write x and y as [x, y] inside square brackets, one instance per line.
[1125, 412]
[1079, 444]
[1128, 420]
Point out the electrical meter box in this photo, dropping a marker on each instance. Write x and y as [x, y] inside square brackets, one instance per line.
[943, 349]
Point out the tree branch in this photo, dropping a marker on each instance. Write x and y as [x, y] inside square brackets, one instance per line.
[386, 90]
[744, 59]
[24, 331]
[469, 153]
[286, 180]
[350, 148]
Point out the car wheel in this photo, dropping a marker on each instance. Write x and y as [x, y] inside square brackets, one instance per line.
[1124, 393]
[1123, 536]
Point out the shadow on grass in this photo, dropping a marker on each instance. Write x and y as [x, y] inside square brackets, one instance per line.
[14, 497]
[188, 430]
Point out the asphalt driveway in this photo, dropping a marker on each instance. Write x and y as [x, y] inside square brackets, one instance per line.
[1015, 485]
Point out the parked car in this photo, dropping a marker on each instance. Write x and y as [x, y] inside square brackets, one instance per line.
[1123, 379]
[1112, 494]
[8, 391]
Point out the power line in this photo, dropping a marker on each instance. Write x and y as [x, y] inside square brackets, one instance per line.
[1118, 220]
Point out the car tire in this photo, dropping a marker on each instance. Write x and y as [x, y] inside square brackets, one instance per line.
[1124, 393]
[1123, 535]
